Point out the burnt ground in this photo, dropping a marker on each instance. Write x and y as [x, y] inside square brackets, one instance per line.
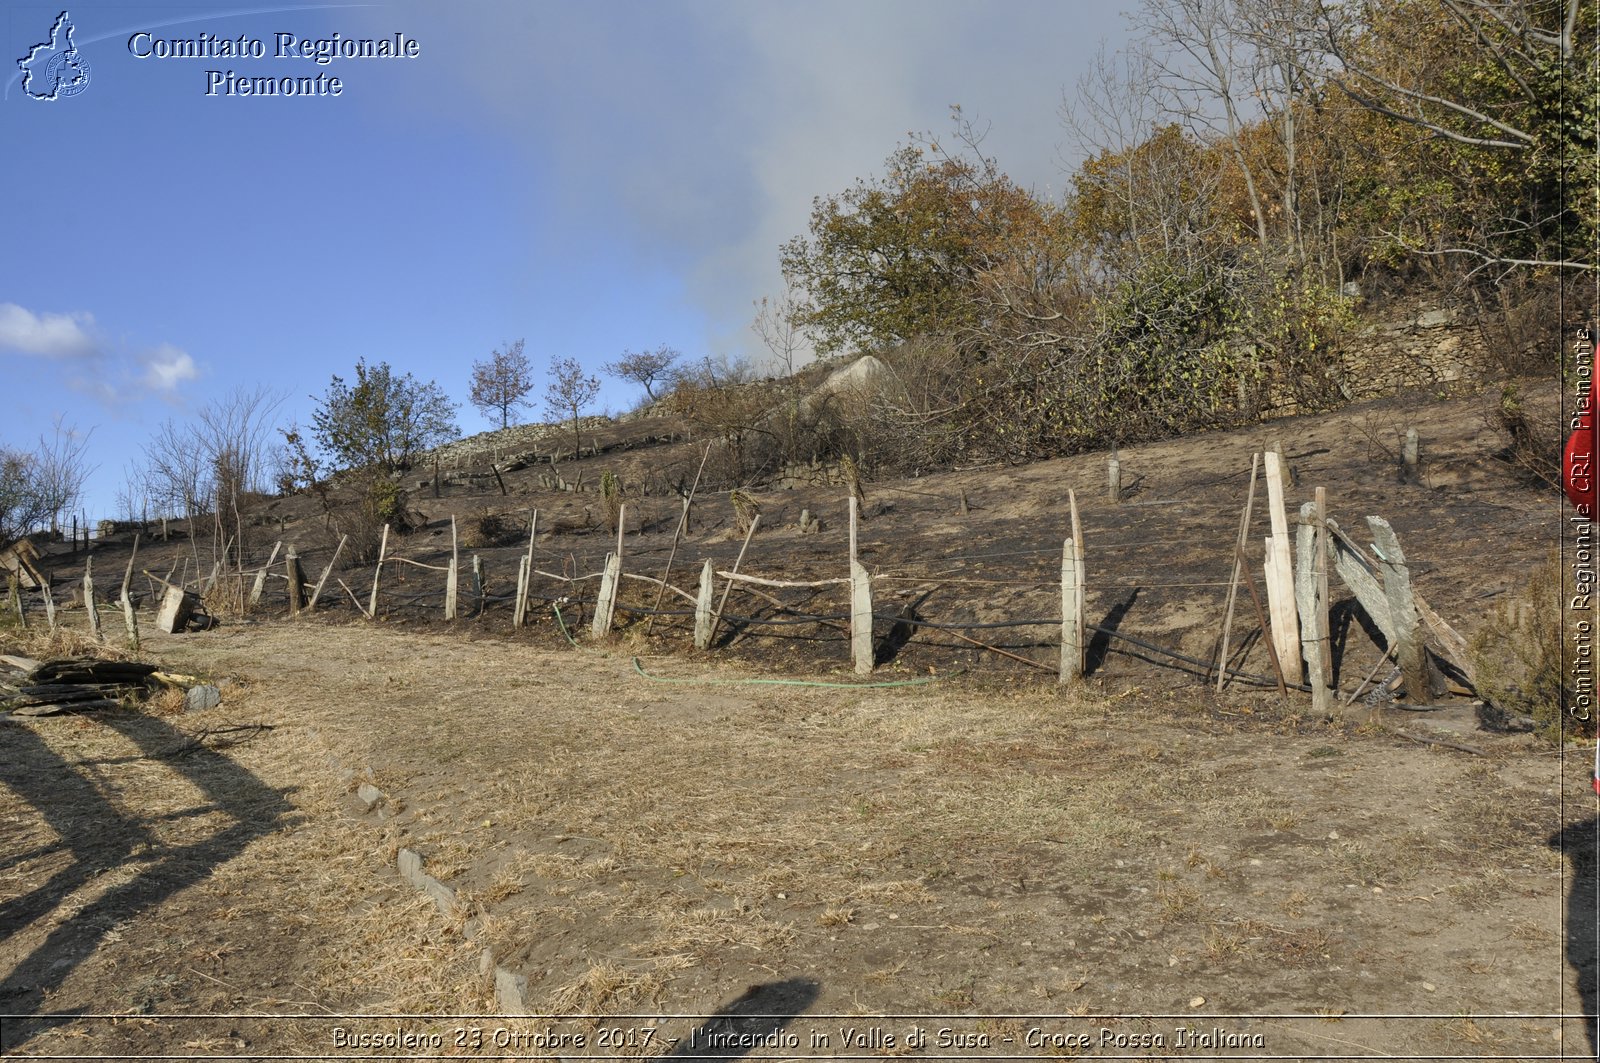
[985, 846]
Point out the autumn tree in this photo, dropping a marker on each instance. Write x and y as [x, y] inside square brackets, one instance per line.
[569, 391]
[501, 383]
[1507, 96]
[905, 254]
[645, 368]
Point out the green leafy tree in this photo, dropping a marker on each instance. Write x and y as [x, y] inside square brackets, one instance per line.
[383, 419]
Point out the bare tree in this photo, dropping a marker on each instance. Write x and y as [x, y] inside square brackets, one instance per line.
[646, 368]
[569, 391]
[501, 384]
[233, 434]
[60, 469]
[23, 503]
[775, 325]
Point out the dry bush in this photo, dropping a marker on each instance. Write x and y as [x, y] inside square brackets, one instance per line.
[1519, 655]
[611, 498]
[493, 529]
[1533, 440]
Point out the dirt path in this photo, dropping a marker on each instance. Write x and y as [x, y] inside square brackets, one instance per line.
[965, 848]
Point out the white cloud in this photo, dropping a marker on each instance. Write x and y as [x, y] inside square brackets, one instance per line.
[47, 335]
[166, 367]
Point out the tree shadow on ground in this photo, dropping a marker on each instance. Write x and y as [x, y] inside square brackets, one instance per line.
[753, 1023]
[1578, 843]
[102, 839]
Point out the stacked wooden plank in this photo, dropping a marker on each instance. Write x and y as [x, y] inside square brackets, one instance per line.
[71, 684]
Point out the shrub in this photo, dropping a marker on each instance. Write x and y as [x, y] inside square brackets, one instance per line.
[1520, 656]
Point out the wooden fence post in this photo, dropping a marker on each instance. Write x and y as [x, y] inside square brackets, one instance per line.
[377, 574]
[1072, 640]
[14, 592]
[1408, 649]
[322, 581]
[88, 598]
[702, 608]
[296, 580]
[450, 573]
[261, 576]
[1313, 609]
[860, 615]
[1280, 576]
[605, 605]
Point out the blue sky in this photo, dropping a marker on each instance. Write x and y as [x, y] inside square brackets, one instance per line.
[591, 177]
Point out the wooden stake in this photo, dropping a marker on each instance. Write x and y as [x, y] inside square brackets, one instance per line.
[1114, 480]
[1233, 582]
[1072, 640]
[1313, 611]
[677, 537]
[606, 604]
[88, 598]
[296, 579]
[322, 581]
[716, 620]
[525, 574]
[477, 582]
[1280, 579]
[377, 574]
[860, 616]
[14, 590]
[1266, 629]
[852, 501]
[702, 607]
[450, 573]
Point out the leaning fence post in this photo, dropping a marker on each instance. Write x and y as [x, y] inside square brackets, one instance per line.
[261, 576]
[605, 605]
[1408, 649]
[377, 574]
[525, 574]
[128, 618]
[322, 581]
[49, 601]
[716, 619]
[1233, 582]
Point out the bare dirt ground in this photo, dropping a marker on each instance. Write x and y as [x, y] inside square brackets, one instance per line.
[938, 853]
[983, 853]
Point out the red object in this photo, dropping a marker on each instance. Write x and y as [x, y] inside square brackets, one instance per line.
[1580, 462]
